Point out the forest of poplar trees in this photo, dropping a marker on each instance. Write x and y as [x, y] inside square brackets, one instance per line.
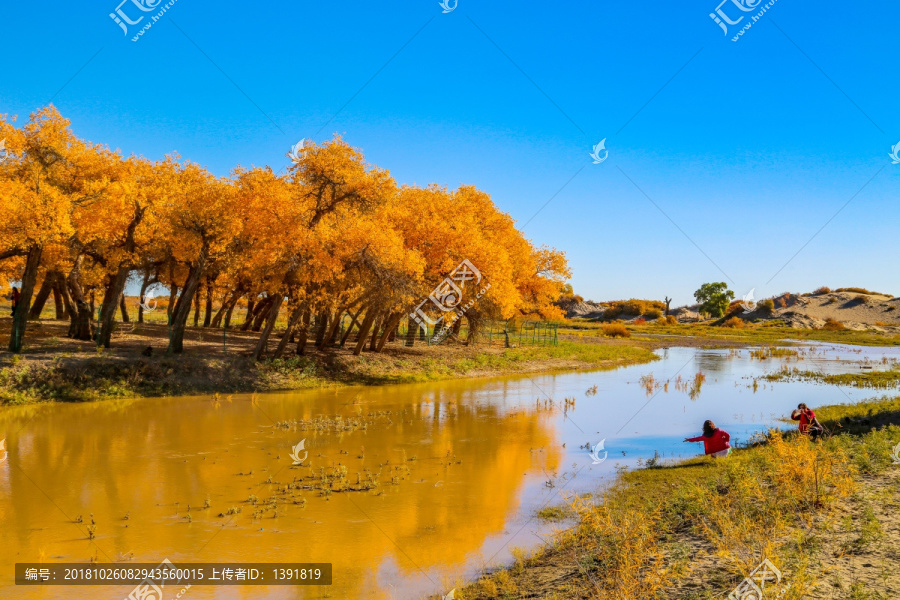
[328, 235]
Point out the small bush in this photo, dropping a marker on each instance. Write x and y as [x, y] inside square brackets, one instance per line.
[671, 320]
[862, 299]
[782, 302]
[653, 314]
[640, 321]
[615, 330]
[858, 290]
[822, 290]
[632, 308]
[766, 306]
[735, 322]
[833, 325]
[882, 324]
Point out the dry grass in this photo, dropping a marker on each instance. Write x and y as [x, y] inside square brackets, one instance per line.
[833, 325]
[734, 322]
[859, 290]
[690, 529]
[633, 308]
[615, 330]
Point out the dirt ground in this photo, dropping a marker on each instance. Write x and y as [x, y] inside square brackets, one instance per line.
[55, 367]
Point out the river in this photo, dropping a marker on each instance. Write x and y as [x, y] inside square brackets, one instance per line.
[462, 467]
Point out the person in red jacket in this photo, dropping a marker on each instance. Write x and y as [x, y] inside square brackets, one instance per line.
[715, 440]
[809, 424]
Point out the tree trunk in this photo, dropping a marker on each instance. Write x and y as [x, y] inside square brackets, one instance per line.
[321, 325]
[271, 317]
[364, 331]
[197, 306]
[353, 322]
[378, 324]
[251, 305]
[293, 319]
[40, 299]
[411, 328]
[207, 315]
[62, 288]
[336, 330]
[20, 316]
[173, 299]
[303, 334]
[457, 324]
[124, 309]
[228, 302]
[262, 312]
[259, 309]
[145, 283]
[217, 318]
[114, 290]
[474, 321]
[183, 306]
[57, 298]
[328, 338]
[230, 310]
[389, 329]
[173, 292]
[80, 316]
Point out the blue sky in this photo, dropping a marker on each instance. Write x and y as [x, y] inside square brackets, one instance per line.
[725, 158]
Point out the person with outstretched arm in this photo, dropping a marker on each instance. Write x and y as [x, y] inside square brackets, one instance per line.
[715, 440]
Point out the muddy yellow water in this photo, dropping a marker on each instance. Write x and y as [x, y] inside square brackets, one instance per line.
[193, 480]
[406, 490]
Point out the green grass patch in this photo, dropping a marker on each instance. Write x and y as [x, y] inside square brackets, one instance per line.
[863, 379]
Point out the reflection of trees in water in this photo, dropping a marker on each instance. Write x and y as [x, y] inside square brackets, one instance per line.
[715, 362]
[142, 458]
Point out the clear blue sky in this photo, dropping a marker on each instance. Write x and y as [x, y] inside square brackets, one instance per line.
[749, 147]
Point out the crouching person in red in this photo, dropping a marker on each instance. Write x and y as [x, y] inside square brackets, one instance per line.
[809, 424]
[715, 440]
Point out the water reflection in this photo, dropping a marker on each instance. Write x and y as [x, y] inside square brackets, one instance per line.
[462, 468]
